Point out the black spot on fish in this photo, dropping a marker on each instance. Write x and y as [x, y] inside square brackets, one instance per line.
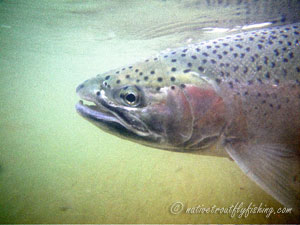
[245, 69]
[172, 79]
[173, 60]
[127, 76]
[189, 64]
[194, 57]
[252, 59]
[158, 88]
[225, 52]
[118, 81]
[259, 46]
[214, 51]
[183, 55]
[159, 79]
[137, 80]
[137, 70]
[205, 54]
[266, 60]
[276, 81]
[172, 87]
[235, 68]
[173, 69]
[182, 85]
[152, 72]
[98, 93]
[272, 64]
[117, 72]
[218, 80]
[245, 93]
[236, 80]
[296, 33]
[208, 46]
[259, 80]
[107, 77]
[242, 55]
[184, 50]
[285, 60]
[197, 49]
[204, 61]
[258, 68]
[141, 73]
[165, 56]
[239, 46]
[251, 38]
[267, 75]
[230, 84]
[235, 55]
[200, 68]
[298, 69]
[186, 71]
[291, 55]
[146, 78]
[213, 61]
[155, 59]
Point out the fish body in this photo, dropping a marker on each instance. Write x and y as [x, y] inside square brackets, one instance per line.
[242, 91]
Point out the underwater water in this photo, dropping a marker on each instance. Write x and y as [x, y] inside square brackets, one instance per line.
[57, 168]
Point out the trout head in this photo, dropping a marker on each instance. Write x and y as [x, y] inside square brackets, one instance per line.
[154, 107]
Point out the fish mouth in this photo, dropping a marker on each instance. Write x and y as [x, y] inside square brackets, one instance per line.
[113, 119]
[94, 112]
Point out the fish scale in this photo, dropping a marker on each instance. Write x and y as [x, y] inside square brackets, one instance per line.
[239, 92]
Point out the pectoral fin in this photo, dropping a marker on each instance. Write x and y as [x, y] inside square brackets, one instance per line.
[275, 168]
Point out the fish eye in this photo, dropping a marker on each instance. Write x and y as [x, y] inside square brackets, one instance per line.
[130, 98]
[130, 95]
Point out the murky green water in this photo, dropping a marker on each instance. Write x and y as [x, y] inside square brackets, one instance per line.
[58, 168]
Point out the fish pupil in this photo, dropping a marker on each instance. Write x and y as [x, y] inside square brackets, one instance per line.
[130, 98]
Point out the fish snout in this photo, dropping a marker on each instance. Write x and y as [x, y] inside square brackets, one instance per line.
[88, 89]
[79, 88]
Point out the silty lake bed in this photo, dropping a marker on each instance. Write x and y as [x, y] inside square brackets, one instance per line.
[57, 168]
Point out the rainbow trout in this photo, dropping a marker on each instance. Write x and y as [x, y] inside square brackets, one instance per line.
[241, 91]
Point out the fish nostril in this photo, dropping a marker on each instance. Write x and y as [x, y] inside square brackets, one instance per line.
[79, 87]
